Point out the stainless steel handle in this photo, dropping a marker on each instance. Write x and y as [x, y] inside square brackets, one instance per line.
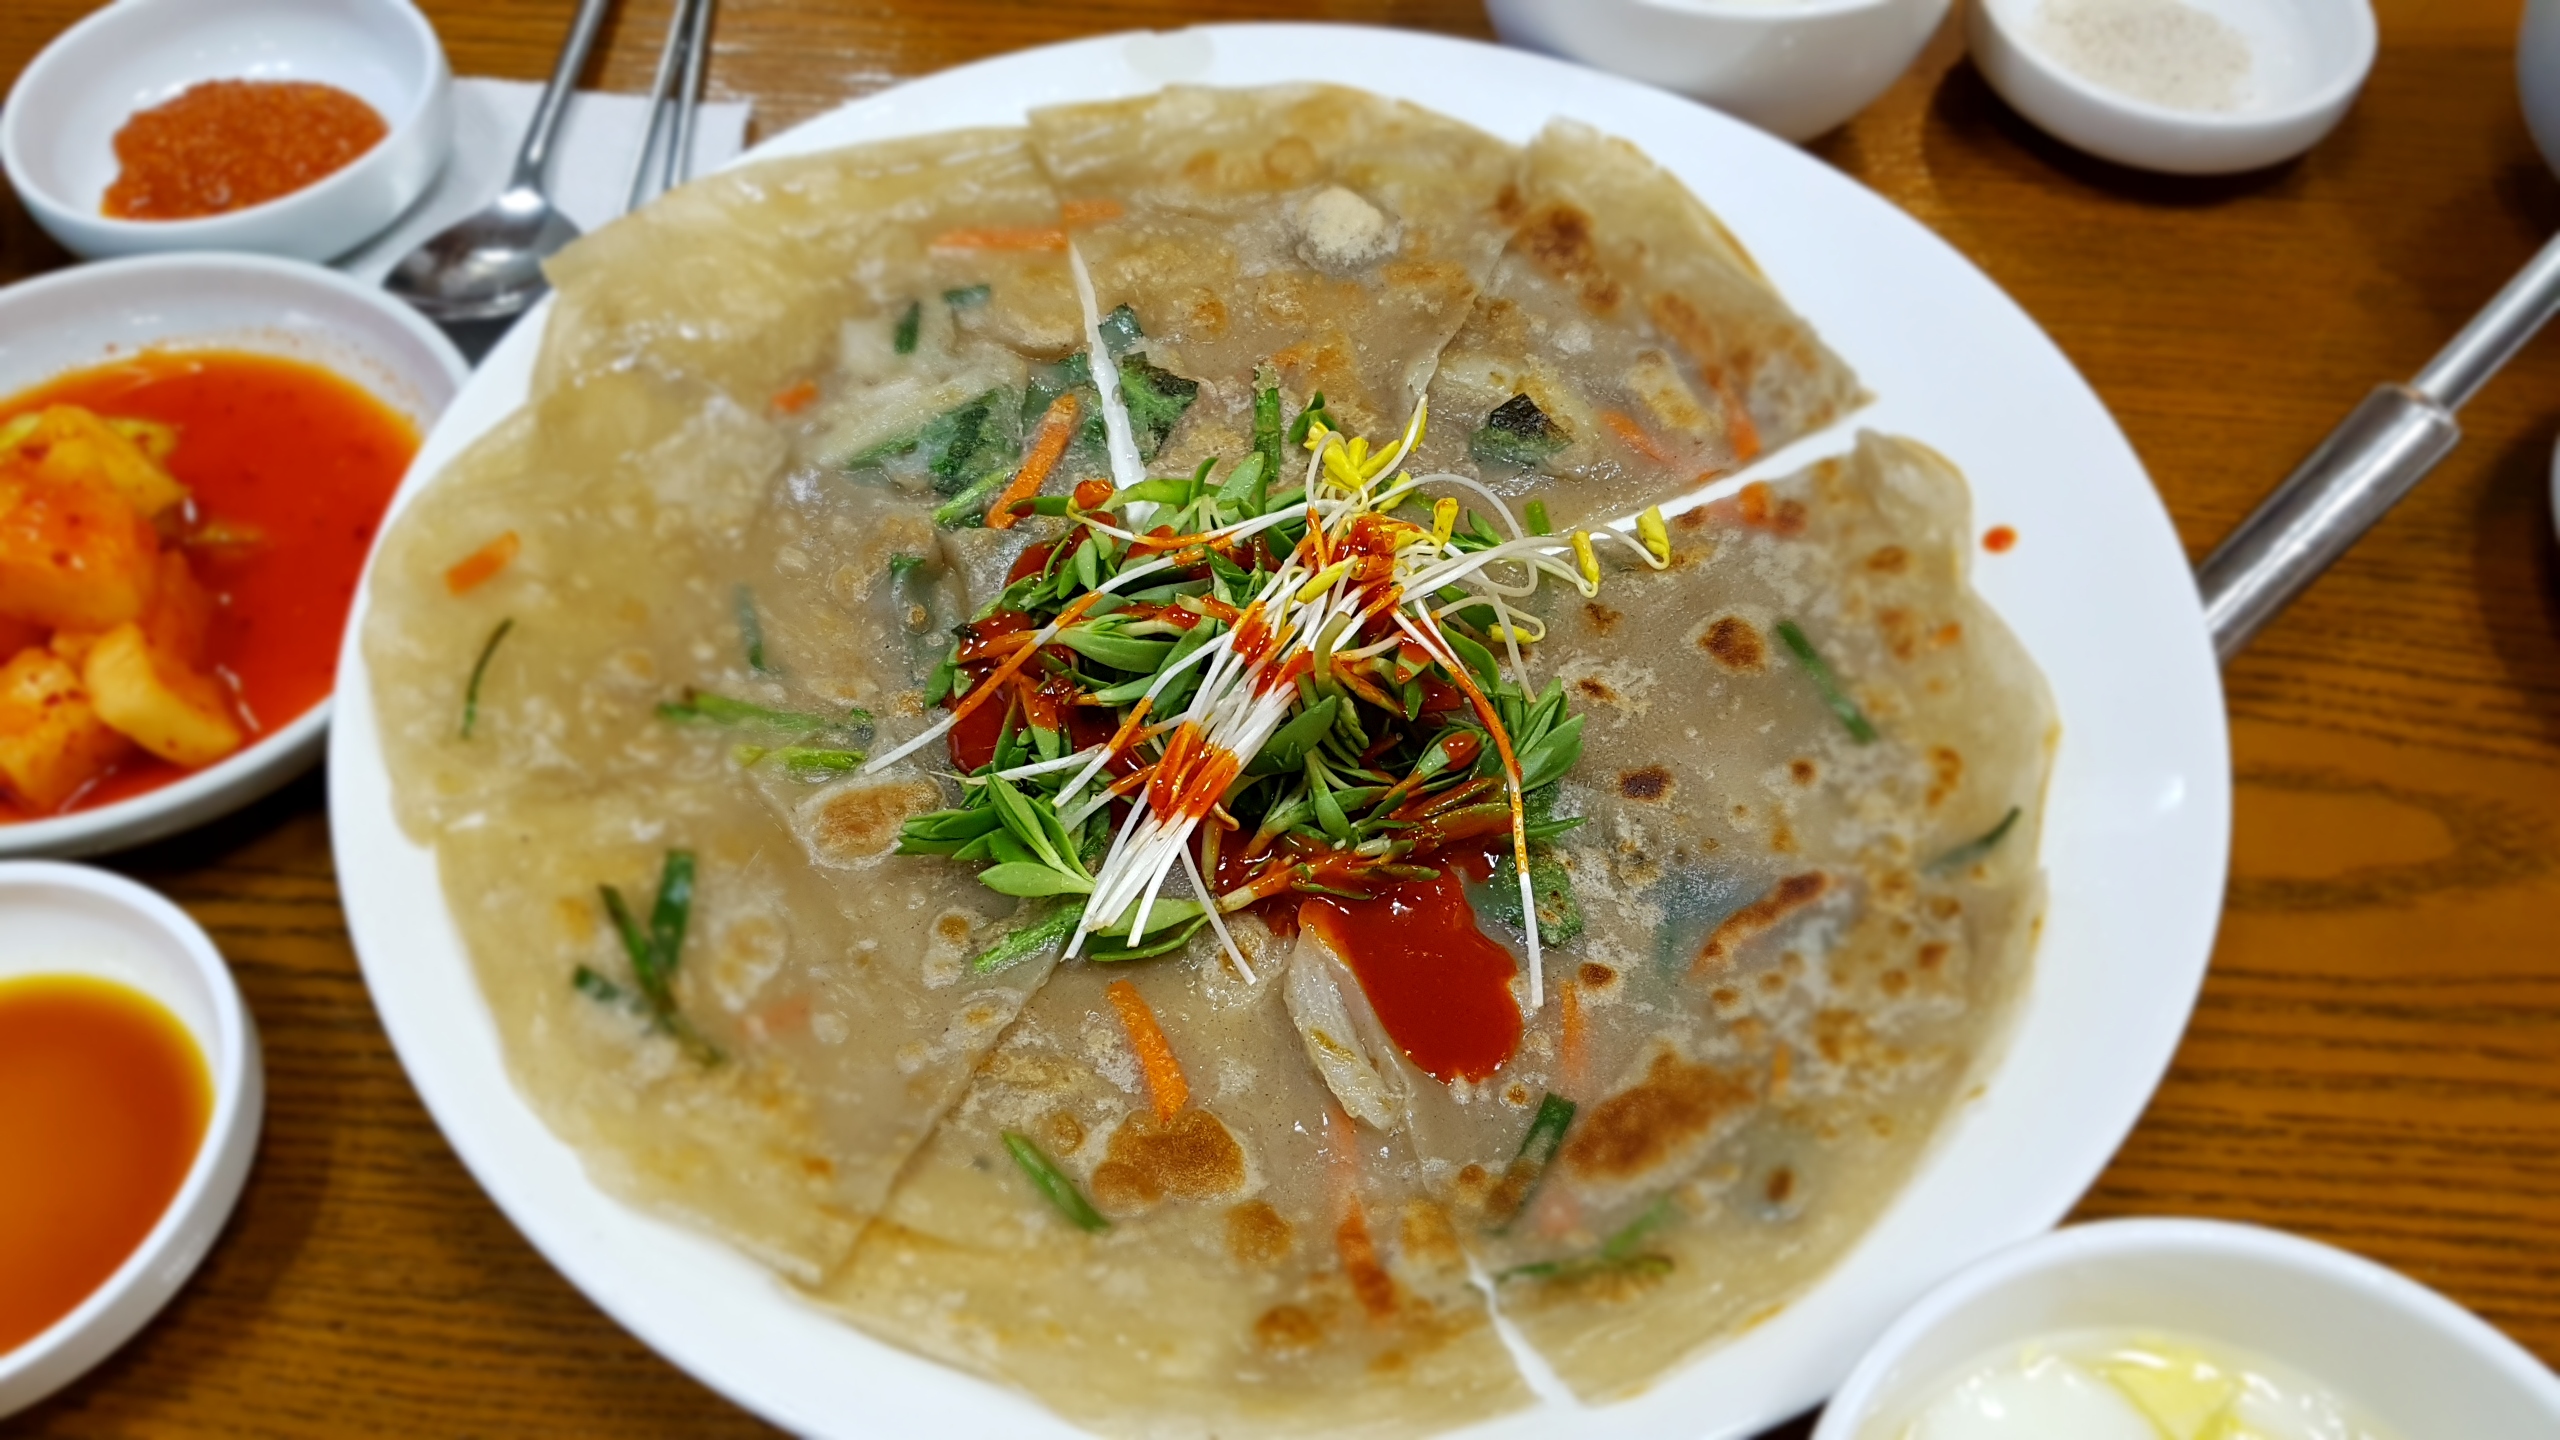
[554, 104]
[2386, 446]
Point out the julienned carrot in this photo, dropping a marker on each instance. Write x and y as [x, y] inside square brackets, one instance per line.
[995, 681]
[1572, 1039]
[1369, 1279]
[477, 568]
[1634, 437]
[1155, 1054]
[793, 399]
[1088, 212]
[1738, 424]
[1003, 237]
[1057, 427]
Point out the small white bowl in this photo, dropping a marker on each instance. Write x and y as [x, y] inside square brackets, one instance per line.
[57, 136]
[2389, 1347]
[1795, 68]
[93, 314]
[2308, 58]
[72, 920]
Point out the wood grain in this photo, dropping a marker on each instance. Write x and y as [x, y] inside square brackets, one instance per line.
[2376, 1059]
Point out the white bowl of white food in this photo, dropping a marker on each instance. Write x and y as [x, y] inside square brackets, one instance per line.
[1795, 68]
[2191, 87]
[2189, 1330]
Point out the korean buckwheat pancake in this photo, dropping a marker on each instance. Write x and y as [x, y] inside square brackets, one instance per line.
[1093, 742]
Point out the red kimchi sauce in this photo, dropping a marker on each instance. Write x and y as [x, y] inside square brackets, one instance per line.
[1441, 989]
[291, 469]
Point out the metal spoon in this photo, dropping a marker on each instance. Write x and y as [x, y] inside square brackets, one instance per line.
[488, 265]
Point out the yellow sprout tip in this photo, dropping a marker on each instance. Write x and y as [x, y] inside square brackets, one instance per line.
[1583, 557]
[1655, 534]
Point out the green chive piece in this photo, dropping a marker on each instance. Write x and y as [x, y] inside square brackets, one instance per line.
[1539, 524]
[967, 297]
[1054, 1184]
[967, 510]
[656, 951]
[1519, 1183]
[471, 693]
[909, 325]
[1026, 941]
[1860, 728]
[1266, 436]
[1618, 1252]
[811, 763]
[751, 631]
[594, 986]
[1977, 847]
[721, 710]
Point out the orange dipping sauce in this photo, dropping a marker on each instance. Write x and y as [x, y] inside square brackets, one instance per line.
[226, 145]
[291, 470]
[104, 1100]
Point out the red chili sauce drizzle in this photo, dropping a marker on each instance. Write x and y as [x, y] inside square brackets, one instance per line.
[1441, 989]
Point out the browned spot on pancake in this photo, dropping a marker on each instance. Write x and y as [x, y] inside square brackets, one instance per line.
[1596, 689]
[1290, 161]
[1594, 975]
[1932, 955]
[864, 820]
[1066, 1132]
[1946, 635]
[1725, 999]
[1473, 1182]
[1762, 915]
[1208, 318]
[1783, 839]
[1781, 1186]
[817, 1167]
[1558, 240]
[1429, 1239]
[1369, 1279]
[1772, 983]
[1946, 769]
[1509, 205]
[1190, 1157]
[953, 927]
[1889, 560]
[1288, 1329]
[1893, 983]
[1735, 644]
[1763, 508]
[1659, 1118]
[1653, 782]
[1901, 632]
[1804, 772]
[1517, 1096]
[1257, 1234]
[1844, 1039]
[1691, 519]
[1945, 907]
[1602, 618]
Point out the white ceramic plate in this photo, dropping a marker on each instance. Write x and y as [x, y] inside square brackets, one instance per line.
[2138, 818]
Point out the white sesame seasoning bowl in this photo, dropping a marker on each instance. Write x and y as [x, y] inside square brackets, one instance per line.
[73, 920]
[2189, 87]
[57, 134]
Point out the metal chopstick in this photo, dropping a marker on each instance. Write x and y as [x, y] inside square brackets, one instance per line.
[674, 96]
[2380, 452]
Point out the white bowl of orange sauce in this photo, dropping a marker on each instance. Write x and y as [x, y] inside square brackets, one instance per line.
[131, 1092]
[286, 127]
[257, 415]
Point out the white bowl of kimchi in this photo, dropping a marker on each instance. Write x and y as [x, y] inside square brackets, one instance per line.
[98, 314]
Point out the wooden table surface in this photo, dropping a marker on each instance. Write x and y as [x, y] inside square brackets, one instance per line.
[2376, 1060]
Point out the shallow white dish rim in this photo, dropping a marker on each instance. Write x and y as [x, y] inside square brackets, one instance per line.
[2142, 784]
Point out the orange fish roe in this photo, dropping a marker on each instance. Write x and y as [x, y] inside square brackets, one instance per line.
[226, 145]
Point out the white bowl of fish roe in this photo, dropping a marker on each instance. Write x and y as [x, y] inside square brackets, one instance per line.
[2189, 1330]
[2189, 87]
[284, 127]
[131, 1092]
